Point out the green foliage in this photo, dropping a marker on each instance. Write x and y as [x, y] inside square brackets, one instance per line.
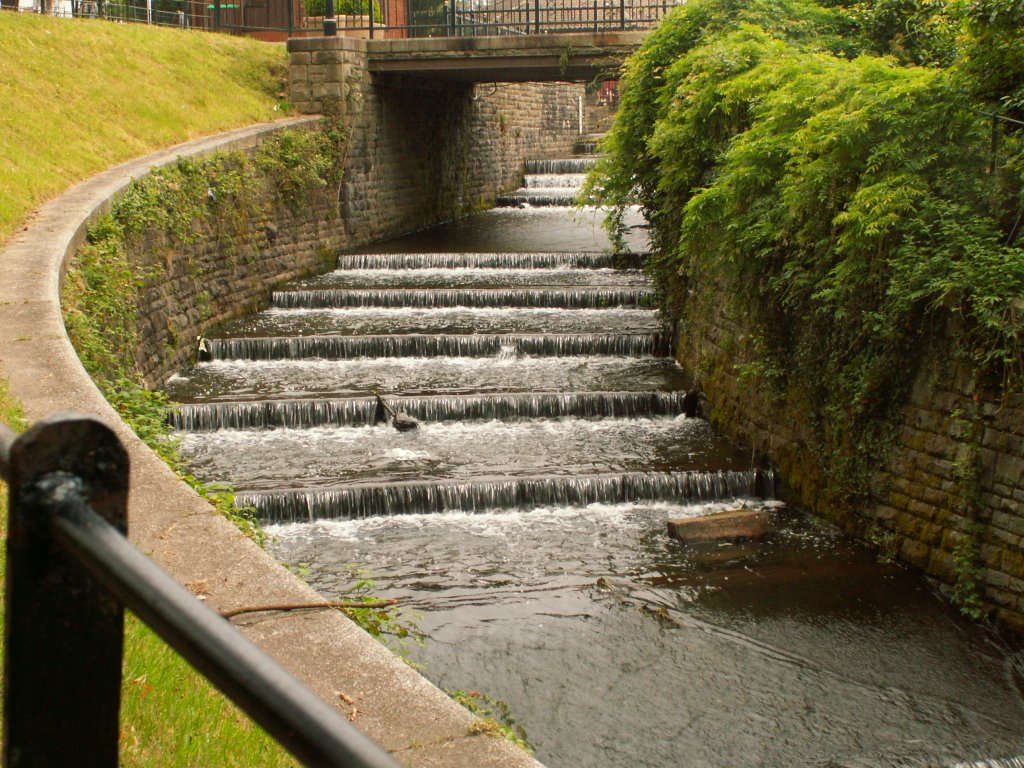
[993, 63]
[386, 623]
[173, 199]
[100, 313]
[966, 559]
[850, 205]
[496, 718]
[923, 32]
[966, 592]
[345, 8]
[885, 541]
[302, 162]
[103, 288]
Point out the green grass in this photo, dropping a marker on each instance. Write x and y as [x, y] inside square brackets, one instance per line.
[172, 718]
[75, 98]
[170, 715]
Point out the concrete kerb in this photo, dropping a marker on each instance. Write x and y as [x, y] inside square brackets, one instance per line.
[390, 702]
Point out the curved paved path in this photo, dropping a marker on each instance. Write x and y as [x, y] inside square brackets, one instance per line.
[397, 707]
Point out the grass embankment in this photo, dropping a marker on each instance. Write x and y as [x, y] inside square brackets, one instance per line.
[77, 97]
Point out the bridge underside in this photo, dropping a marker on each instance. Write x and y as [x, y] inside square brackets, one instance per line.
[541, 58]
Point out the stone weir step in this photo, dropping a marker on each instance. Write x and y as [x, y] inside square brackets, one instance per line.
[437, 345]
[469, 297]
[356, 412]
[564, 260]
[443, 278]
[562, 165]
[377, 500]
[241, 380]
[538, 197]
[393, 321]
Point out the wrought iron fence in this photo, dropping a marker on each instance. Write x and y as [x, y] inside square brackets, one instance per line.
[265, 19]
[71, 572]
[280, 19]
[473, 18]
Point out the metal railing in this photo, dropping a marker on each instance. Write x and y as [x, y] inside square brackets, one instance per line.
[471, 18]
[269, 19]
[71, 572]
[278, 19]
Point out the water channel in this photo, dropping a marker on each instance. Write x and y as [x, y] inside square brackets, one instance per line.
[523, 523]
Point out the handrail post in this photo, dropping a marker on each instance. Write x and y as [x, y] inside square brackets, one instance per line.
[330, 22]
[63, 632]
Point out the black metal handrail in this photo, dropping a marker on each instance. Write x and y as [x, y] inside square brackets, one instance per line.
[71, 572]
[451, 18]
[468, 18]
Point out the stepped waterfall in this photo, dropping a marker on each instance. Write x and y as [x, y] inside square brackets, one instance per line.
[523, 522]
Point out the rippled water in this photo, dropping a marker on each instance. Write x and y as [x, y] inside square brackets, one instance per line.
[616, 646]
[613, 644]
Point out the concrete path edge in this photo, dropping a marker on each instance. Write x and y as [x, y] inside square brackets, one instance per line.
[390, 702]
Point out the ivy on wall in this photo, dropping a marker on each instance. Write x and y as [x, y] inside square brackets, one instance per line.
[194, 198]
[858, 206]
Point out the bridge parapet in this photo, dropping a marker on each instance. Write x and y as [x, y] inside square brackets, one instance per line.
[572, 57]
[326, 68]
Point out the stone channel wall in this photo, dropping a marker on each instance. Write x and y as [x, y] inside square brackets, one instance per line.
[227, 271]
[384, 697]
[426, 150]
[948, 498]
[420, 153]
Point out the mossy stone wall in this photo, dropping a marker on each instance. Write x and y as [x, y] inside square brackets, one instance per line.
[947, 498]
[419, 154]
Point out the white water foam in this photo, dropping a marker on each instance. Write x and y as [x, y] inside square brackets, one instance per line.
[499, 523]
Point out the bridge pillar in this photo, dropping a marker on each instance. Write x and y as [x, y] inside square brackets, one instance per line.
[325, 69]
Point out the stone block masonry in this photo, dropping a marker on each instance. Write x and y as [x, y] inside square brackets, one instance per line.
[424, 151]
[420, 153]
[948, 497]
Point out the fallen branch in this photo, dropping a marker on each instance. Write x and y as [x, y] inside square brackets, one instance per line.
[231, 613]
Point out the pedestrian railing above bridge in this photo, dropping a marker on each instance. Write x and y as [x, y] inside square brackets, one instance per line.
[282, 19]
[472, 18]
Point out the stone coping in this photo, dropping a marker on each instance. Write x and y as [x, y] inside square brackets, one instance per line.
[390, 702]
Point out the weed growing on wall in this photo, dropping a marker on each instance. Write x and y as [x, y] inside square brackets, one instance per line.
[966, 591]
[495, 717]
[300, 163]
[388, 624]
[101, 314]
[178, 205]
[852, 205]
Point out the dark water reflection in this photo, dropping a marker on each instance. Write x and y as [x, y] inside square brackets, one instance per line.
[614, 645]
[515, 229]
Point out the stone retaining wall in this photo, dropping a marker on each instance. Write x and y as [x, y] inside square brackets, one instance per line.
[384, 697]
[420, 153]
[951, 489]
[953, 432]
[425, 150]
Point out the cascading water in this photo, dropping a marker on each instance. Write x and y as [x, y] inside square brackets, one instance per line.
[524, 521]
[550, 183]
